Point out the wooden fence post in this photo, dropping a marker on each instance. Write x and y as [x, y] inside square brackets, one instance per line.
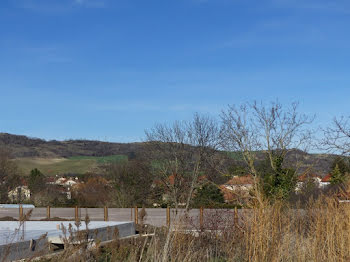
[48, 212]
[201, 211]
[131, 218]
[106, 213]
[76, 213]
[20, 212]
[168, 217]
[136, 216]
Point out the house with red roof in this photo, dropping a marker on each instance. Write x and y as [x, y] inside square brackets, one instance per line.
[240, 183]
[319, 181]
[326, 181]
[237, 188]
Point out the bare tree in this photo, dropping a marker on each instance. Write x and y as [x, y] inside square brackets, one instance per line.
[8, 173]
[132, 181]
[180, 150]
[337, 136]
[255, 127]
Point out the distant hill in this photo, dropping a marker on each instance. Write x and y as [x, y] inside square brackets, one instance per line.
[23, 146]
[80, 156]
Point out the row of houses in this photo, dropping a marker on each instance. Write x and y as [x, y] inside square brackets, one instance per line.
[239, 186]
[63, 185]
[247, 182]
[320, 182]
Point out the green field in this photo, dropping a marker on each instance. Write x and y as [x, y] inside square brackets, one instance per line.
[101, 160]
[72, 165]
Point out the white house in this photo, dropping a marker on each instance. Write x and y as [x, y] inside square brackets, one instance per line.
[320, 182]
[326, 181]
[20, 193]
[62, 181]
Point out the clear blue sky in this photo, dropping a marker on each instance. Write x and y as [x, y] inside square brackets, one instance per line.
[108, 69]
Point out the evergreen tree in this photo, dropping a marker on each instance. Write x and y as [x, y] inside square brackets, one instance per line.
[278, 182]
[336, 176]
[208, 195]
[9, 177]
[343, 165]
[36, 181]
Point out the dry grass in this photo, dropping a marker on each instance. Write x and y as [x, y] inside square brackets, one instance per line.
[269, 232]
[318, 233]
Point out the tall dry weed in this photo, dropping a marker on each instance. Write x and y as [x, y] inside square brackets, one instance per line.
[319, 232]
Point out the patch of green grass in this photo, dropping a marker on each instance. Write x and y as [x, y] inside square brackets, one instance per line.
[102, 159]
[63, 166]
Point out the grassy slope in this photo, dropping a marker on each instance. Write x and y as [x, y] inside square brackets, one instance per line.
[56, 166]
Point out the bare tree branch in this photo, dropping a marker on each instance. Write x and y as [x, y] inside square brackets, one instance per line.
[181, 149]
[337, 136]
[255, 127]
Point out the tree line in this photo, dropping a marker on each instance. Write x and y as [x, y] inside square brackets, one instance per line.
[184, 161]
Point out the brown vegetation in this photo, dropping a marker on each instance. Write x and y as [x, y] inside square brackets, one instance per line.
[24, 148]
[268, 232]
[95, 192]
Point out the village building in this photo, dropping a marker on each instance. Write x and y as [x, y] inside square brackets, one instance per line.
[325, 181]
[319, 182]
[62, 181]
[237, 188]
[242, 183]
[19, 194]
[63, 185]
[65, 191]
